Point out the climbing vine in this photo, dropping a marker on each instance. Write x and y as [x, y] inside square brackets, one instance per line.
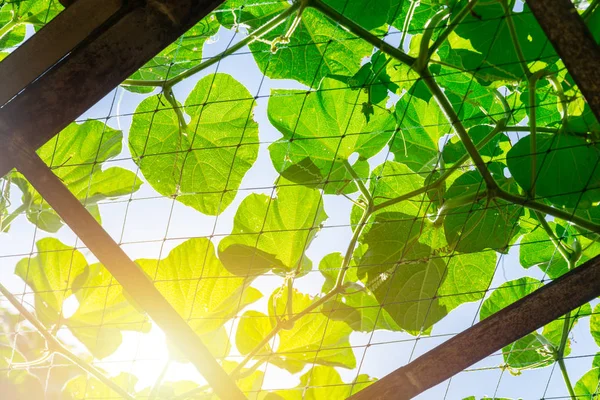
[451, 127]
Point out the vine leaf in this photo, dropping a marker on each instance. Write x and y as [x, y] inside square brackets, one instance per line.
[59, 271]
[531, 351]
[321, 130]
[422, 126]
[203, 166]
[273, 233]
[321, 383]
[179, 56]
[565, 169]
[358, 307]
[78, 154]
[313, 338]
[23, 13]
[587, 386]
[403, 274]
[318, 47]
[454, 150]
[481, 224]
[194, 281]
[486, 31]
[82, 387]
[17, 383]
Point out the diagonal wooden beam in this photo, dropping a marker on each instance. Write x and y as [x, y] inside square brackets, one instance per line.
[90, 72]
[53, 42]
[532, 312]
[574, 43]
[126, 272]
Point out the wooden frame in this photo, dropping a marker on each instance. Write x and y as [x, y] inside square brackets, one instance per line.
[94, 45]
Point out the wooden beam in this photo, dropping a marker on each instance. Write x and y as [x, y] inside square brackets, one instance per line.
[90, 72]
[574, 43]
[532, 312]
[126, 272]
[55, 40]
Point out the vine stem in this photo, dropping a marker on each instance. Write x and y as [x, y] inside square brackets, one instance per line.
[260, 32]
[57, 347]
[560, 355]
[555, 241]
[451, 27]
[361, 186]
[5, 223]
[8, 27]
[407, 20]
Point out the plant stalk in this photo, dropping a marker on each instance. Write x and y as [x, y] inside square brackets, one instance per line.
[57, 347]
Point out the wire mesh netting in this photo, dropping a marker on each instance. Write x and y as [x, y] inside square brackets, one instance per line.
[320, 210]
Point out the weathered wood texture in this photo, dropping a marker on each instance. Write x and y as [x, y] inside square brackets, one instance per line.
[125, 271]
[532, 312]
[43, 50]
[574, 43]
[90, 72]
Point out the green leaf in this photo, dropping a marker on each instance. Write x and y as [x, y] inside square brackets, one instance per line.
[587, 386]
[197, 285]
[179, 56]
[321, 130]
[454, 150]
[317, 48]
[51, 275]
[273, 233]
[17, 383]
[403, 274]
[367, 13]
[252, 14]
[357, 305]
[484, 44]
[322, 383]
[103, 313]
[83, 387]
[422, 126]
[77, 156]
[473, 223]
[201, 165]
[253, 327]
[564, 173]
[595, 324]
[313, 338]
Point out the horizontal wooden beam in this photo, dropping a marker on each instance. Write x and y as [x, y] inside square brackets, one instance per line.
[126, 272]
[90, 72]
[54, 41]
[574, 43]
[532, 312]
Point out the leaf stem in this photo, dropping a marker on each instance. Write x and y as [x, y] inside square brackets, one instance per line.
[57, 347]
[447, 109]
[451, 27]
[8, 27]
[260, 32]
[514, 38]
[5, 223]
[156, 388]
[560, 355]
[361, 186]
[407, 20]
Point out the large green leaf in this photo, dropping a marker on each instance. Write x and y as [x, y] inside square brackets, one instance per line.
[313, 338]
[565, 172]
[403, 274]
[484, 42]
[370, 14]
[477, 224]
[16, 15]
[321, 130]
[317, 48]
[273, 233]
[77, 155]
[103, 311]
[203, 164]
[422, 126]
[197, 285]
[322, 383]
